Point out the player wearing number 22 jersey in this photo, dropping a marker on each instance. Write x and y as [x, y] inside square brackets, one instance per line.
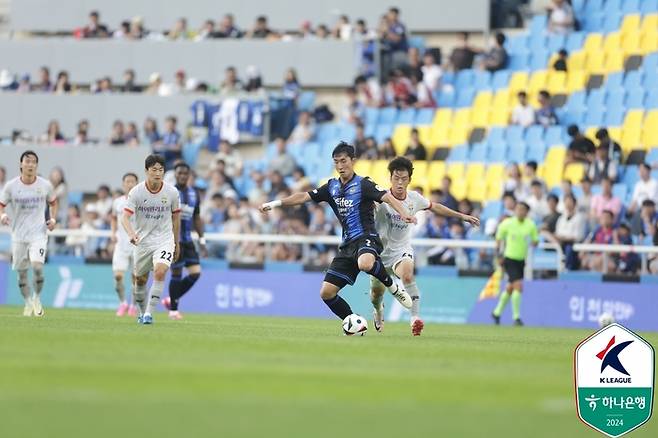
[155, 207]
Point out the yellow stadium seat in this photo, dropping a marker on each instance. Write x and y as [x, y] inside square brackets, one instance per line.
[458, 189]
[576, 80]
[477, 192]
[593, 43]
[596, 62]
[401, 138]
[419, 177]
[590, 132]
[440, 136]
[554, 166]
[649, 23]
[557, 82]
[576, 61]
[363, 167]
[424, 134]
[518, 82]
[615, 133]
[650, 132]
[379, 173]
[455, 171]
[612, 42]
[442, 117]
[461, 127]
[631, 134]
[537, 82]
[630, 42]
[475, 182]
[481, 107]
[500, 116]
[435, 173]
[630, 24]
[614, 61]
[649, 42]
[501, 99]
[540, 170]
[494, 180]
[574, 172]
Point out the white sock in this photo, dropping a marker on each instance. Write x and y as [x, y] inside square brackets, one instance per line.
[414, 293]
[156, 291]
[121, 290]
[23, 284]
[140, 297]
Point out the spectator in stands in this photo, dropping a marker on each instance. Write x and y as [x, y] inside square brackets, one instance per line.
[431, 72]
[605, 201]
[61, 192]
[151, 133]
[277, 184]
[123, 32]
[414, 64]
[44, 85]
[343, 29]
[306, 31]
[155, 84]
[254, 83]
[549, 222]
[424, 96]
[131, 137]
[523, 114]
[74, 244]
[180, 83]
[496, 58]
[283, 163]
[95, 29]
[137, 31]
[581, 149]
[645, 188]
[129, 85]
[361, 32]
[446, 194]
[291, 87]
[545, 115]
[213, 214]
[257, 193]
[320, 225]
[463, 54]
[371, 151]
[585, 200]
[355, 110]
[416, 150]
[104, 86]
[530, 173]
[7, 81]
[300, 183]
[602, 166]
[231, 158]
[62, 86]
[614, 149]
[118, 133]
[604, 234]
[169, 145]
[400, 91]
[561, 19]
[304, 131]
[537, 202]
[648, 219]
[206, 32]
[82, 135]
[359, 141]
[369, 91]
[627, 262]
[560, 63]
[322, 32]
[227, 28]
[386, 151]
[103, 202]
[218, 183]
[260, 29]
[53, 135]
[231, 83]
[24, 85]
[566, 190]
[394, 39]
[570, 229]
[179, 31]
[514, 182]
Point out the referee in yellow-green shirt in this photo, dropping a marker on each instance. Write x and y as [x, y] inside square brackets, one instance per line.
[515, 234]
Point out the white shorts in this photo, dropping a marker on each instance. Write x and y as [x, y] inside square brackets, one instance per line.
[390, 263]
[146, 258]
[24, 253]
[121, 259]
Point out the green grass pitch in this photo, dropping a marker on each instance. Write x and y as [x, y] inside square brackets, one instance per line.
[78, 373]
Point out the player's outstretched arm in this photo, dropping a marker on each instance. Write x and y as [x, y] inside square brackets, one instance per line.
[288, 201]
[449, 212]
[398, 207]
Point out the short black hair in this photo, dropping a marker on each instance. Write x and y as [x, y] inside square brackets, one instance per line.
[509, 194]
[572, 197]
[126, 175]
[400, 164]
[28, 153]
[563, 52]
[154, 159]
[608, 212]
[521, 94]
[536, 183]
[553, 197]
[344, 148]
[500, 38]
[648, 203]
[182, 164]
[572, 130]
[532, 164]
[646, 166]
[394, 10]
[601, 134]
[525, 204]
[545, 94]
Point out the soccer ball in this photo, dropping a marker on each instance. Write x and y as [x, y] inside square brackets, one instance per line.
[606, 319]
[355, 325]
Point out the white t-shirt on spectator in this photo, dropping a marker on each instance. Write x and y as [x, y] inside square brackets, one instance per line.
[432, 76]
[572, 228]
[538, 207]
[523, 115]
[645, 190]
[561, 19]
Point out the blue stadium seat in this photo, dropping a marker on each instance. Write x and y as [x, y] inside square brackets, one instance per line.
[612, 6]
[649, 6]
[615, 81]
[191, 152]
[652, 156]
[571, 116]
[371, 116]
[388, 116]
[652, 99]
[497, 153]
[630, 7]
[75, 198]
[382, 132]
[478, 152]
[619, 190]
[369, 130]
[496, 136]
[575, 41]
[595, 99]
[448, 78]
[270, 151]
[650, 81]
[539, 59]
[424, 116]
[578, 6]
[296, 150]
[538, 42]
[306, 101]
[447, 98]
[465, 97]
[482, 80]
[458, 153]
[491, 210]
[464, 79]
[518, 43]
[614, 116]
[519, 62]
[534, 133]
[535, 152]
[615, 98]
[538, 24]
[311, 152]
[594, 116]
[517, 151]
[326, 131]
[514, 134]
[346, 132]
[593, 6]
[577, 101]
[592, 22]
[416, 41]
[557, 43]
[631, 176]
[635, 98]
[554, 135]
[611, 22]
[633, 79]
[650, 62]
[406, 116]
[500, 79]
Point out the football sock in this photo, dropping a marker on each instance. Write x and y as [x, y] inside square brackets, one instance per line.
[155, 293]
[516, 304]
[379, 272]
[187, 283]
[38, 280]
[174, 291]
[121, 289]
[339, 306]
[23, 284]
[502, 302]
[376, 299]
[140, 297]
[412, 289]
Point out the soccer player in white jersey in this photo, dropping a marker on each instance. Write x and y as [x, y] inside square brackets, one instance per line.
[122, 257]
[28, 196]
[156, 209]
[398, 255]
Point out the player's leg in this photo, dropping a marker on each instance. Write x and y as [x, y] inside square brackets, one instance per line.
[120, 263]
[404, 269]
[506, 294]
[161, 259]
[370, 263]
[190, 258]
[174, 286]
[20, 263]
[37, 254]
[132, 308]
[377, 290]
[193, 275]
[143, 265]
[342, 271]
[517, 287]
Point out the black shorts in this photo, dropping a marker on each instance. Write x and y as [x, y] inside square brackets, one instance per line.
[188, 256]
[514, 269]
[344, 267]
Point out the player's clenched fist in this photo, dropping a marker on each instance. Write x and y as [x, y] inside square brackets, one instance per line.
[4, 219]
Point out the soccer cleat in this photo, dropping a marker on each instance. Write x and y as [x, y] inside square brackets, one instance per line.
[400, 294]
[518, 322]
[132, 310]
[175, 315]
[140, 319]
[378, 318]
[496, 318]
[29, 307]
[166, 302]
[123, 309]
[38, 308]
[147, 319]
[417, 327]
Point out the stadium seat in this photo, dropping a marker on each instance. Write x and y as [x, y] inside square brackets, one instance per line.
[481, 106]
[447, 98]
[478, 152]
[611, 22]
[491, 210]
[456, 173]
[535, 152]
[614, 116]
[494, 178]
[612, 42]
[576, 61]
[465, 97]
[595, 63]
[596, 99]
[635, 98]
[407, 116]
[614, 81]
[497, 153]
[306, 101]
[594, 116]
[556, 43]
[518, 82]
[363, 167]
[556, 83]
[575, 41]
[514, 134]
[612, 6]
[435, 172]
[516, 151]
[631, 42]
[620, 190]
[649, 42]
[464, 79]
[630, 7]
[592, 22]
[534, 133]
[388, 116]
[539, 59]
[615, 98]
[496, 136]
[593, 43]
[614, 61]
[482, 80]
[577, 101]
[574, 172]
[401, 138]
[538, 24]
[652, 99]
[554, 166]
[371, 116]
[631, 175]
[383, 132]
[649, 6]
[500, 79]
[650, 134]
[326, 131]
[424, 116]
[379, 172]
[518, 61]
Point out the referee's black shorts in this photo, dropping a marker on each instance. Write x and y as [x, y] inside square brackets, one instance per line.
[514, 269]
[344, 267]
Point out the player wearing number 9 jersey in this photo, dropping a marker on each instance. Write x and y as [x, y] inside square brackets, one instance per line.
[155, 207]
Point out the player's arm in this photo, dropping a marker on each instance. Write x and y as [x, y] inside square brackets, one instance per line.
[199, 228]
[534, 235]
[175, 220]
[4, 219]
[501, 235]
[398, 207]
[114, 222]
[288, 201]
[128, 211]
[442, 210]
